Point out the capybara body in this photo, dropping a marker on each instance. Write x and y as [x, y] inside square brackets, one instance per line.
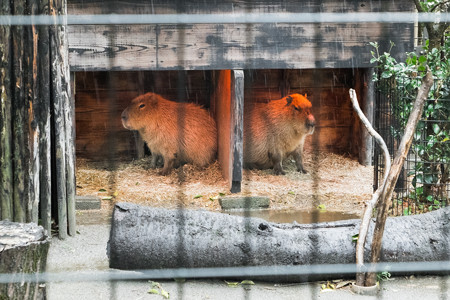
[275, 130]
[179, 132]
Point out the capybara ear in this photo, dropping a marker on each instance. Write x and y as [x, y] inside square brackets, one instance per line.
[288, 100]
[306, 95]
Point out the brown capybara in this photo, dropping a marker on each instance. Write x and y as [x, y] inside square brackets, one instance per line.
[275, 130]
[179, 132]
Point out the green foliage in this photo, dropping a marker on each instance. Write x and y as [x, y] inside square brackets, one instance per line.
[383, 276]
[432, 137]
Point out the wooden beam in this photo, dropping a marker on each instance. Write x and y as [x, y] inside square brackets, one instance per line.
[44, 124]
[19, 117]
[232, 46]
[60, 85]
[229, 108]
[70, 150]
[237, 127]
[6, 176]
[368, 95]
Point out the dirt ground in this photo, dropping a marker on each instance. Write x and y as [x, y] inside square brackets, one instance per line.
[335, 182]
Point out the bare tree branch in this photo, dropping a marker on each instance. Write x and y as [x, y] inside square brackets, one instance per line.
[364, 228]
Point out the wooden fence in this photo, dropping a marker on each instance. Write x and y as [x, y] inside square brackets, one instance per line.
[36, 121]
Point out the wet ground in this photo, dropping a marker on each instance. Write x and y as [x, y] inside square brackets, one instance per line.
[80, 261]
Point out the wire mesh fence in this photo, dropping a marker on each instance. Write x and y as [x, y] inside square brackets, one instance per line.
[423, 184]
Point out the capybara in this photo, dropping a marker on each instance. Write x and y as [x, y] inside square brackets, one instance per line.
[179, 132]
[275, 130]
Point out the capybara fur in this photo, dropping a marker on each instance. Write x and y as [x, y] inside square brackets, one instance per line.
[275, 130]
[179, 132]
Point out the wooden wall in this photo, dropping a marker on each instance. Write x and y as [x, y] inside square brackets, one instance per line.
[233, 46]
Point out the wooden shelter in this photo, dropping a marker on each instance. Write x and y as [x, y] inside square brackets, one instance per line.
[219, 65]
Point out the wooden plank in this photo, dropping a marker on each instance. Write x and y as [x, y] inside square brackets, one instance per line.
[69, 108]
[368, 98]
[227, 46]
[229, 104]
[237, 129]
[44, 122]
[222, 99]
[6, 175]
[19, 107]
[60, 87]
[237, 6]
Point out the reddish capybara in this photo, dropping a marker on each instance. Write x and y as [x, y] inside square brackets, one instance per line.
[179, 132]
[275, 130]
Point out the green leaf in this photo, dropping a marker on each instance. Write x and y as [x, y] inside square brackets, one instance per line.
[291, 193]
[102, 190]
[164, 294]
[386, 74]
[221, 194]
[422, 59]
[232, 284]
[198, 196]
[355, 237]
[247, 282]
[153, 291]
[107, 198]
[321, 207]
[436, 128]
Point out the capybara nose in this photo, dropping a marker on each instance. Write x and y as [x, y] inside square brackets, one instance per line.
[310, 121]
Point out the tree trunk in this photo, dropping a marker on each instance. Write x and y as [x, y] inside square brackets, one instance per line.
[23, 249]
[150, 238]
[394, 172]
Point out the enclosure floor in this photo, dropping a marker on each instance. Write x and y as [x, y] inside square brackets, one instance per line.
[335, 182]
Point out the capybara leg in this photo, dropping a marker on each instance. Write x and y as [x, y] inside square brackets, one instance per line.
[154, 161]
[298, 156]
[168, 166]
[277, 163]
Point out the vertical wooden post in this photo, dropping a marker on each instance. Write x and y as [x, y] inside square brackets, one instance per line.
[6, 177]
[33, 116]
[70, 153]
[60, 84]
[229, 106]
[44, 122]
[19, 110]
[368, 96]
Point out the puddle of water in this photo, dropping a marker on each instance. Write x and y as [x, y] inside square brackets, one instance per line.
[299, 216]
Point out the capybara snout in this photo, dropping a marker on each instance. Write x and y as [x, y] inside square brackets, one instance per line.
[274, 130]
[179, 132]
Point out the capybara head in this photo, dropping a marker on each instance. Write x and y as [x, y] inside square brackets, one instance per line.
[135, 115]
[300, 109]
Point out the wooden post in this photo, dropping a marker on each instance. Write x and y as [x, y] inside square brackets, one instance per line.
[6, 177]
[19, 111]
[368, 100]
[70, 152]
[44, 122]
[229, 107]
[237, 127]
[60, 84]
[33, 116]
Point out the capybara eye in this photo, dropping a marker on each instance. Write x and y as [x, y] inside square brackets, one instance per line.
[142, 105]
[297, 108]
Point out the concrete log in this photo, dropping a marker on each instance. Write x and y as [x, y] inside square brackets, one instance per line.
[156, 238]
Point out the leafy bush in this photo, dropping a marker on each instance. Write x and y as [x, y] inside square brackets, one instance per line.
[430, 176]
